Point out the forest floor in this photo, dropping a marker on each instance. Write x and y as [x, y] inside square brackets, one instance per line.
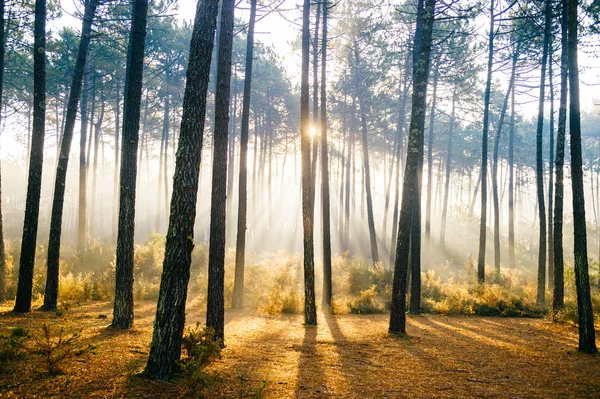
[348, 356]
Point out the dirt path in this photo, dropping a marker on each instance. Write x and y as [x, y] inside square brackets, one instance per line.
[344, 357]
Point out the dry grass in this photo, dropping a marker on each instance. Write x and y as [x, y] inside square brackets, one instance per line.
[348, 356]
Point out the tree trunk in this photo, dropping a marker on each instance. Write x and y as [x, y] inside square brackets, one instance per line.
[97, 134]
[170, 313]
[551, 176]
[34, 183]
[2, 249]
[123, 306]
[161, 159]
[82, 214]
[240, 250]
[51, 293]
[484, 152]
[587, 336]
[430, 160]
[116, 171]
[215, 310]
[367, 172]
[448, 170]
[495, 193]
[399, 157]
[327, 284]
[512, 263]
[410, 186]
[539, 170]
[310, 311]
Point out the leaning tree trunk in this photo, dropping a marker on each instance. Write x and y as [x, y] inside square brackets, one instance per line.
[165, 349]
[539, 170]
[410, 186]
[327, 284]
[2, 249]
[123, 307]
[51, 294]
[587, 336]
[558, 294]
[215, 309]
[34, 184]
[310, 311]
[240, 250]
[484, 152]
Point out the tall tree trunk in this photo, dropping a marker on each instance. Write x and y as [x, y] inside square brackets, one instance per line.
[410, 186]
[315, 127]
[51, 293]
[116, 170]
[2, 249]
[551, 176]
[240, 249]
[448, 170]
[327, 284]
[310, 311]
[399, 156]
[170, 313]
[215, 309]
[511, 185]
[484, 152]
[161, 157]
[34, 183]
[587, 336]
[97, 134]
[123, 306]
[82, 203]
[367, 172]
[539, 170]
[495, 161]
[430, 160]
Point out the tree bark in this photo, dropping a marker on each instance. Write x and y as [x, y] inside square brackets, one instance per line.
[511, 186]
[559, 284]
[495, 161]
[82, 203]
[367, 172]
[215, 310]
[484, 152]
[587, 336]
[34, 183]
[448, 170]
[430, 160]
[310, 311]
[539, 170]
[327, 283]
[54, 242]
[240, 250]
[170, 313]
[410, 186]
[2, 248]
[551, 176]
[123, 306]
